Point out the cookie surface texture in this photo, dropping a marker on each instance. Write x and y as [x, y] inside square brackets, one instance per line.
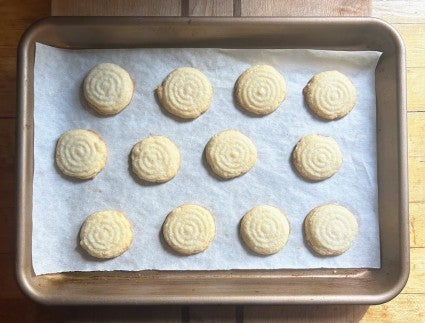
[230, 154]
[80, 153]
[108, 88]
[265, 229]
[330, 95]
[106, 234]
[155, 159]
[260, 89]
[317, 157]
[186, 93]
[330, 229]
[189, 229]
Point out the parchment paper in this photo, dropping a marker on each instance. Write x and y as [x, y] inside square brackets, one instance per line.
[60, 205]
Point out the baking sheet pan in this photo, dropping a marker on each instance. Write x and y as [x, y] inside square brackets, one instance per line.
[235, 286]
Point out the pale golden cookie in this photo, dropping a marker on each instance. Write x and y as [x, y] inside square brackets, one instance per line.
[317, 157]
[265, 229]
[185, 93]
[106, 234]
[80, 153]
[330, 229]
[260, 89]
[155, 159]
[189, 229]
[230, 154]
[330, 95]
[108, 88]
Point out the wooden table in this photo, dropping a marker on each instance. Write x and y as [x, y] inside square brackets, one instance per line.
[408, 17]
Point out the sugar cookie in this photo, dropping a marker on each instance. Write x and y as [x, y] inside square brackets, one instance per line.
[106, 234]
[317, 157]
[330, 95]
[330, 229]
[230, 154]
[80, 153]
[108, 88]
[155, 159]
[185, 93]
[265, 229]
[260, 89]
[189, 229]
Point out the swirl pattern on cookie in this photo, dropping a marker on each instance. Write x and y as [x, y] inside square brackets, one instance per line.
[185, 93]
[230, 154]
[80, 153]
[330, 229]
[330, 95]
[108, 88]
[260, 89]
[265, 229]
[317, 157]
[106, 234]
[155, 159]
[189, 229]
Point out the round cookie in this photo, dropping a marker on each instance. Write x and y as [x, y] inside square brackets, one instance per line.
[317, 157]
[189, 229]
[185, 93]
[106, 234]
[230, 154]
[330, 95]
[80, 153]
[260, 89]
[265, 229]
[330, 229]
[108, 88]
[155, 159]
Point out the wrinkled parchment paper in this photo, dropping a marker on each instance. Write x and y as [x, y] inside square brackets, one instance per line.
[60, 205]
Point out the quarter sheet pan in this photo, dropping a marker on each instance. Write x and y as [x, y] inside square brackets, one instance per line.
[230, 286]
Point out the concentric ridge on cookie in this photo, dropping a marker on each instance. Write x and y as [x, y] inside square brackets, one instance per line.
[330, 95]
[80, 153]
[230, 154]
[106, 234]
[189, 229]
[155, 159]
[108, 88]
[260, 89]
[186, 93]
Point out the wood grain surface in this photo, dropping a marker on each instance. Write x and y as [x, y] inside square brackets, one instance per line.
[211, 8]
[408, 17]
